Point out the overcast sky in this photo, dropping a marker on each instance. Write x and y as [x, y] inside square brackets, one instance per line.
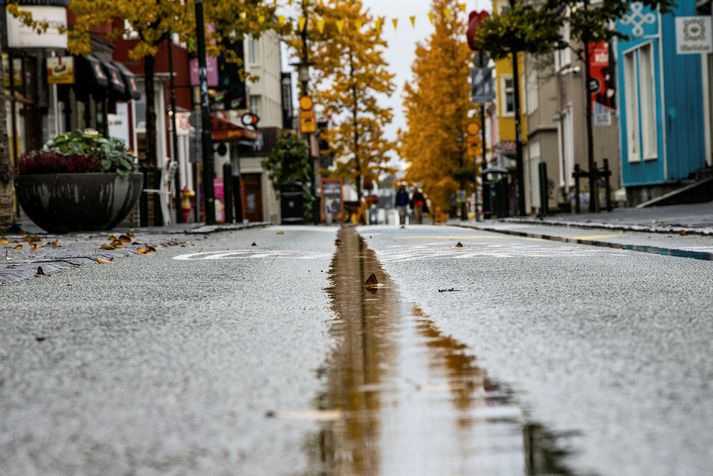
[402, 42]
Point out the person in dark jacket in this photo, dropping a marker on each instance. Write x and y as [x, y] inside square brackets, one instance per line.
[401, 202]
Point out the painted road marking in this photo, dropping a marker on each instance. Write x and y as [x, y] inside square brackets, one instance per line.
[598, 237]
[449, 237]
[520, 249]
[253, 254]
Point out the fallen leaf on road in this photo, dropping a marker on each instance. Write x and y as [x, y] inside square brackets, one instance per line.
[3, 241]
[151, 249]
[254, 244]
[280, 233]
[130, 234]
[40, 271]
[449, 290]
[112, 238]
[372, 282]
[56, 244]
[33, 247]
[459, 245]
[683, 233]
[117, 244]
[125, 239]
[18, 247]
[142, 251]
[101, 260]
[106, 247]
[310, 415]
[30, 239]
[40, 339]
[402, 227]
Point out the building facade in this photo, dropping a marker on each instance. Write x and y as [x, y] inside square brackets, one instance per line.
[663, 124]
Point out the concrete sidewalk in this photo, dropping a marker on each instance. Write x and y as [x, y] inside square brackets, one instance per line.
[692, 219]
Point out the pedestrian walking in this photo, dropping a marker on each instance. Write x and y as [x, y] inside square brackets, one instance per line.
[418, 201]
[401, 202]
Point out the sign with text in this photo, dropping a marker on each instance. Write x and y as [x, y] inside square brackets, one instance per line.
[60, 70]
[693, 35]
[602, 87]
[20, 35]
[482, 86]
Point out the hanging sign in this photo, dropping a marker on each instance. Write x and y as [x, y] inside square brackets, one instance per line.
[20, 35]
[693, 35]
[60, 70]
[602, 87]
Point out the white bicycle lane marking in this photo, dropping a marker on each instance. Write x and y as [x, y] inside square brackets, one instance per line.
[253, 254]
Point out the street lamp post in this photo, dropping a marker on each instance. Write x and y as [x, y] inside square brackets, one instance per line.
[206, 141]
[174, 134]
[303, 77]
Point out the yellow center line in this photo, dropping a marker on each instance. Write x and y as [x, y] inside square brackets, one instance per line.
[598, 237]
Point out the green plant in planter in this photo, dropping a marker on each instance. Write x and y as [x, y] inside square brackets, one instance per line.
[111, 154]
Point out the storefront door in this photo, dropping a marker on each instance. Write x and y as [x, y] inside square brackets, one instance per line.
[252, 208]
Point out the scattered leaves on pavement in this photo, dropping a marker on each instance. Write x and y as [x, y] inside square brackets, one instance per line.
[18, 247]
[30, 239]
[4, 241]
[254, 244]
[112, 238]
[40, 271]
[117, 244]
[459, 245]
[33, 247]
[280, 232]
[56, 244]
[125, 239]
[106, 247]
[101, 260]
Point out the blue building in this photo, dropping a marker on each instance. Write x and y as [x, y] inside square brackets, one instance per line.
[662, 118]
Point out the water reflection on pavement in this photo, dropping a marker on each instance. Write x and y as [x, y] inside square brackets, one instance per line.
[412, 400]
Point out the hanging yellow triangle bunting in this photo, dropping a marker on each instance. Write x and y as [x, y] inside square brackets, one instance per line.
[395, 22]
[431, 17]
[413, 20]
[379, 24]
[340, 25]
[301, 22]
[358, 24]
[462, 7]
[281, 20]
[261, 19]
[320, 25]
[447, 13]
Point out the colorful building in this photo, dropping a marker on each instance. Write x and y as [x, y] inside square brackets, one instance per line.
[661, 103]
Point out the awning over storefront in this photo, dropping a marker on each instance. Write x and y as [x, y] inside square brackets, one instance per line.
[226, 131]
[116, 80]
[132, 88]
[95, 71]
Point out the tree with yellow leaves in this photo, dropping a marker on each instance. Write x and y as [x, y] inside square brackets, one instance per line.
[154, 21]
[346, 50]
[437, 106]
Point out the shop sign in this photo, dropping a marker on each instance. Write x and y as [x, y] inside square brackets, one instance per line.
[693, 35]
[20, 35]
[60, 70]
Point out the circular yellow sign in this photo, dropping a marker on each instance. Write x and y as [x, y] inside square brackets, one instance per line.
[306, 103]
[472, 128]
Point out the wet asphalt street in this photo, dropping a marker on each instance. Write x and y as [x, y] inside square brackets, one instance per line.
[507, 355]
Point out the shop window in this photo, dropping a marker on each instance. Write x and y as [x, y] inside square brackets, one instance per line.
[640, 90]
[508, 104]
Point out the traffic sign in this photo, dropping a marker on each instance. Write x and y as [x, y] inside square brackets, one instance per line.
[308, 122]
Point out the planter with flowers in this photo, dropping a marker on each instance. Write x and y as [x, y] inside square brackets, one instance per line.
[79, 181]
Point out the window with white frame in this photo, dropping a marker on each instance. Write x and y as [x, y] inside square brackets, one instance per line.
[508, 98]
[563, 57]
[256, 104]
[640, 91]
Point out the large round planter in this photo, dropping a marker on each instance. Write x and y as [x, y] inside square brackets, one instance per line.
[60, 203]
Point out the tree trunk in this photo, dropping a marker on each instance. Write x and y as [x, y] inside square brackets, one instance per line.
[7, 175]
[151, 146]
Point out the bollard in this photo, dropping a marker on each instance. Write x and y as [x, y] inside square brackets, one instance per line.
[228, 192]
[607, 178]
[237, 199]
[544, 196]
[576, 174]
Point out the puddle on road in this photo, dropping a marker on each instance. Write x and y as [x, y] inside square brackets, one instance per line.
[412, 400]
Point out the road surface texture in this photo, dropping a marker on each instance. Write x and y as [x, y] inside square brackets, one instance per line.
[609, 348]
[263, 352]
[152, 365]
